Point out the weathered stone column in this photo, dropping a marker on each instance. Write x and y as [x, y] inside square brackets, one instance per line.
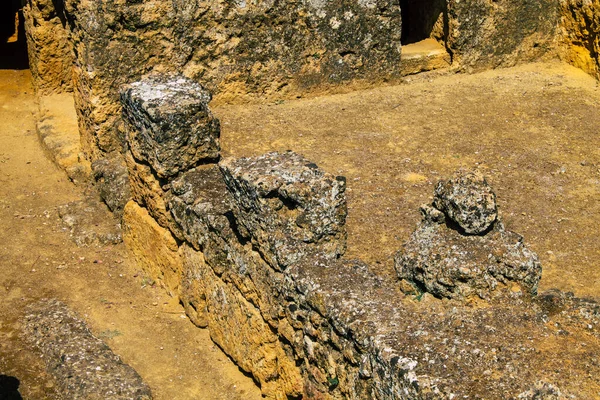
[48, 45]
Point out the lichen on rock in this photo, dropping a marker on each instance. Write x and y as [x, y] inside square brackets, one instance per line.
[461, 248]
[289, 205]
[169, 125]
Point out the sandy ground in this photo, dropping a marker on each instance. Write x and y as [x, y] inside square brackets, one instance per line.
[534, 130]
[37, 260]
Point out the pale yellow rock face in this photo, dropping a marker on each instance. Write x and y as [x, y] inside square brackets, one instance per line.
[581, 40]
[152, 247]
[57, 127]
[49, 49]
[146, 190]
[238, 327]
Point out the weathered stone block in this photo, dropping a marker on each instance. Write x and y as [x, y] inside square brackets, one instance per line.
[84, 367]
[238, 327]
[201, 205]
[48, 45]
[148, 191]
[169, 125]
[442, 257]
[152, 247]
[487, 34]
[288, 206]
[467, 200]
[112, 181]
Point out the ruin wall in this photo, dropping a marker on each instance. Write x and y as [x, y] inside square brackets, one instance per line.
[254, 250]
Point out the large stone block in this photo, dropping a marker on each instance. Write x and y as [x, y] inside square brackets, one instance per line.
[288, 206]
[486, 34]
[152, 247]
[169, 125]
[238, 328]
[84, 367]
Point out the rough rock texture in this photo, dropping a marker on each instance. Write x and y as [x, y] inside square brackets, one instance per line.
[152, 247]
[456, 252]
[289, 205]
[112, 181]
[147, 190]
[84, 367]
[169, 125]
[330, 328]
[467, 200]
[580, 25]
[486, 34]
[237, 326]
[240, 50]
[50, 56]
[82, 219]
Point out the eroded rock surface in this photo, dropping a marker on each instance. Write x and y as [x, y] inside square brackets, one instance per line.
[169, 125]
[445, 258]
[112, 181]
[288, 204]
[84, 367]
[468, 200]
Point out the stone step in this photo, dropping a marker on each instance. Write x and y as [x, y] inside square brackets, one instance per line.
[422, 56]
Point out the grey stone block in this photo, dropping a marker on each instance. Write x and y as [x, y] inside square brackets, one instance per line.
[83, 365]
[169, 125]
[289, 206]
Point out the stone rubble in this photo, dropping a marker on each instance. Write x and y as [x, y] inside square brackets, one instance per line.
[461, 248]
[84, 366]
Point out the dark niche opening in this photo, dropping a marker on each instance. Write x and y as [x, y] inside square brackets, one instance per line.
[423, 19]
[9, 388]
[13, 45]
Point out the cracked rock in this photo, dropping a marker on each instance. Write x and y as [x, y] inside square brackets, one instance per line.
[169, 124]
[467, 200]
[442, 259]
[288, 205]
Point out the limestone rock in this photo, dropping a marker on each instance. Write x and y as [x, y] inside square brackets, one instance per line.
[288, 205]
[482, 35]
[169, 125]
[50, 56]
[467, 200]
[152, 247]
[147, 190]
[238, 327]
[84, 367]
[440, 258]
[112, 181]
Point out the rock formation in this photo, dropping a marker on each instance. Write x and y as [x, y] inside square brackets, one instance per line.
[461, 248]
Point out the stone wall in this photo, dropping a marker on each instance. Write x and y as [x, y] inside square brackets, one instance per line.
[260, 50]
[49, 48]
[484, 34]
[580, 25]
[239, 50]
[253, 248]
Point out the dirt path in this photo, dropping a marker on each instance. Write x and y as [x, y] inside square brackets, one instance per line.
[37, 260]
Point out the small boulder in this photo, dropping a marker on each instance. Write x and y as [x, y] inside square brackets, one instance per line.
[442, 258]
[467, 200]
